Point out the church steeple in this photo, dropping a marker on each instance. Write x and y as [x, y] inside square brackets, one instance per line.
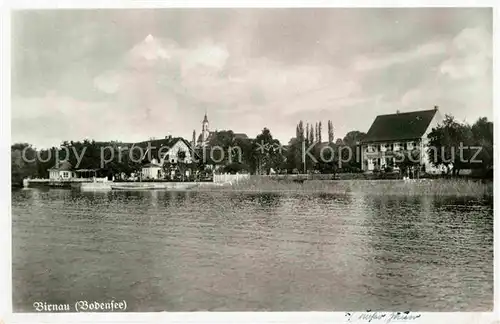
[204, 130]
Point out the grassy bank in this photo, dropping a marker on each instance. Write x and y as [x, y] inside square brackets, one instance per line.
[437, 187]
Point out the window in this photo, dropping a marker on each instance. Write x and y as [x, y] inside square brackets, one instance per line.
[370, 164]
[65, 175]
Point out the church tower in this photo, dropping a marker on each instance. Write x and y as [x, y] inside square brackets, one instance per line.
[204, 130]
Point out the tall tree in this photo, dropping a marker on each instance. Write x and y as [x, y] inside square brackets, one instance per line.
[311, 135]
[301, 131]
[224, 140]
[268, 152]
[330, 131]
[193, 143]
[308, 137]
[319, 132]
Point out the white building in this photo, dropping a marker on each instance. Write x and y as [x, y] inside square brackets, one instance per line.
[159, 153]
[398, 133]
[152, 170]
[62, 171]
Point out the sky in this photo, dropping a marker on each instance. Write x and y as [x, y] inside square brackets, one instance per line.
[135, 74]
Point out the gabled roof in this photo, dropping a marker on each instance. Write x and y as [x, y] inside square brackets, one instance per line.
[63, 166]
[400, 126]
[151, 165]
[160, 146]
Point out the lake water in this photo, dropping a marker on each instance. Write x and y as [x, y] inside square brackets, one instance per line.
[220, 251]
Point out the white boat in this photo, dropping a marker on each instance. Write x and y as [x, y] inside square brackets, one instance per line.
[154, 186]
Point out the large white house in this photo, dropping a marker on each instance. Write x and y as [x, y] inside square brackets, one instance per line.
[399, 132]
[170, 150]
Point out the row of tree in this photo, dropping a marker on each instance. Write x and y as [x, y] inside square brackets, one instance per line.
[313, 132]
[265, 153]
[26, 161]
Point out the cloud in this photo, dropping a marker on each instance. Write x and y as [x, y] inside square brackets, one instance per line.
[471, 55]
[228, 61]
[380, 61]
[204, 74]
[462, 83]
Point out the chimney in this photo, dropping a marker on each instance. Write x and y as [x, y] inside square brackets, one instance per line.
[436, 107]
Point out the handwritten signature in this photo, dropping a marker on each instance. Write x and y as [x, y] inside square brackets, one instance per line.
[385, 317]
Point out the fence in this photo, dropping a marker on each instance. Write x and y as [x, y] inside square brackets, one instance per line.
[224, 178]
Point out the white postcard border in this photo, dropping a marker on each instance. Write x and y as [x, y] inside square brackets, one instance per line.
[6, 315]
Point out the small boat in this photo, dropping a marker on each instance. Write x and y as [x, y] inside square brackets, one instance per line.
[132, 187]
[154, 186]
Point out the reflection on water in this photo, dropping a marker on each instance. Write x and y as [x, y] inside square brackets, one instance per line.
[190, 251]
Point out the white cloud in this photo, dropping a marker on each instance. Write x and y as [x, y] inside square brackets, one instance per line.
[380, 61]
[206, 54]
[108, 82]
[471, 55]
[205, 74]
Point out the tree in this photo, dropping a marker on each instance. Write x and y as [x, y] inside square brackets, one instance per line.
[350, 150]
[300, 135]
[327, 158]
[330, 132]
[223, 141]
[23, 163]
[319, 132]
[353, 137]
[482, 138]
[446, 143]
[243, 154]
[181, 163]
[268, 152]
[308, 137]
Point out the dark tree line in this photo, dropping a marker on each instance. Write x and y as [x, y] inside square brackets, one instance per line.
[457, 146]
[36, 163]
[265, 153]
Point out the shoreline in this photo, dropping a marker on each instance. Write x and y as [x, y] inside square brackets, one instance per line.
[257, 184]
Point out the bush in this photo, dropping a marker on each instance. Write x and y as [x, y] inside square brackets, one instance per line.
[235, 167]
